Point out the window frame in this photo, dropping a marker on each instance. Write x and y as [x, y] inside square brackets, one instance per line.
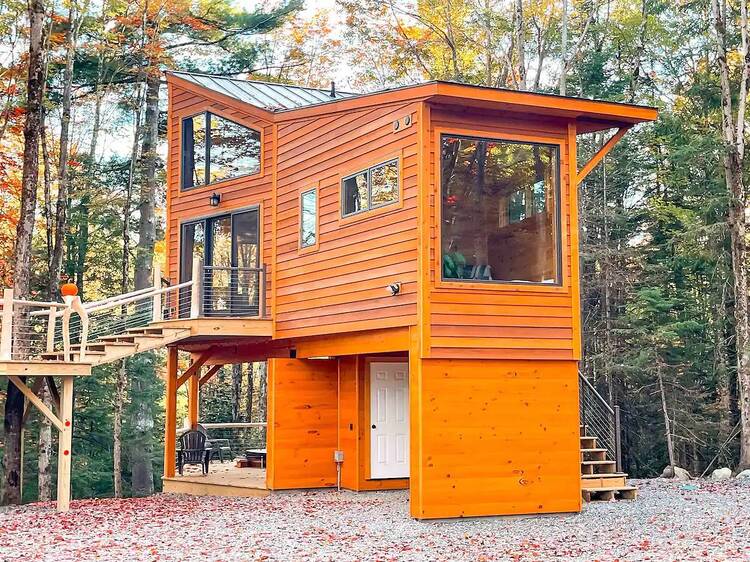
[368, 170]
[303, 248]
[207, 153]
[562, 283]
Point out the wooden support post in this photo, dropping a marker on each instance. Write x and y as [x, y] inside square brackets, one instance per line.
[196, 291]
[170, 422]
[193, 397]
[6, 333]
[65, 451]
[156, 313]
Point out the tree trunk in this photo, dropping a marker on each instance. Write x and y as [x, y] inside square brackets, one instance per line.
[250, 391]
[667, 424]
[120, 396]
[63, 168]
[564, 48]
[44, 484]
[236, 391]
[520, 41]
[14, 400]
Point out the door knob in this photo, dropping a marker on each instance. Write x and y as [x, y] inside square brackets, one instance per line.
[373, 426]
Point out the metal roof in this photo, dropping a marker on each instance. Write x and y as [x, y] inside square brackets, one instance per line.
[266, 95]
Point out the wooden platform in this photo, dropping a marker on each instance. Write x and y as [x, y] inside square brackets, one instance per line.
[38, 368]
[222, 480]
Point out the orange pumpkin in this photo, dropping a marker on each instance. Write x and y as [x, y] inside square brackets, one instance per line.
[68, 290]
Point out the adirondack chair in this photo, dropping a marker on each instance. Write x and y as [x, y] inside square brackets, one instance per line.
[193, 451]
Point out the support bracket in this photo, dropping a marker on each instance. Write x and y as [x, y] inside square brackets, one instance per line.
[210, 373]
[195, 367]
[36, 401]
[601, 153]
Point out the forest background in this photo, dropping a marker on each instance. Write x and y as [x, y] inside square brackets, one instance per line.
[663, 219]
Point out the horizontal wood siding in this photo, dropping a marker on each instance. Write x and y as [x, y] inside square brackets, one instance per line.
[235, 193]
[498, 322]
[340, 286]
[494, 437]
[302, 423]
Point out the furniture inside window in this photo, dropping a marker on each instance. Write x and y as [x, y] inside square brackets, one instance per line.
[308, 213]
[500, 204]
[216, 149]
[369, 189]
[229, 246]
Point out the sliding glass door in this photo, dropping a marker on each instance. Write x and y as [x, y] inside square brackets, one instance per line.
[229, 246]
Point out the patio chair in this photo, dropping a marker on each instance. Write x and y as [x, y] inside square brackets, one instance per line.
[193, 450]
[218, 447]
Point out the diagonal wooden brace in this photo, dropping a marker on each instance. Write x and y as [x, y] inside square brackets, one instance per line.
[36, 401]
[195, 368]
[210, 373]
[601, 153]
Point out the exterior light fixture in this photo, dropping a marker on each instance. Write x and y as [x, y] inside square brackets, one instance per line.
[394, 289]
[215, 199]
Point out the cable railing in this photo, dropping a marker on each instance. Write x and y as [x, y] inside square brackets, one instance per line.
[600, 420]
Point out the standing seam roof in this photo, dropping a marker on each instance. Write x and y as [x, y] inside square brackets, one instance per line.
[266, 95]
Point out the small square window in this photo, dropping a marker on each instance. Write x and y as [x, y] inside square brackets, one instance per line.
[384, 184]
[308, 218]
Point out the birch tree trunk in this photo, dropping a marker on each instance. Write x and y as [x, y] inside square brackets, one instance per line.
[520, 41]
[63, 175]
[733, 132]
[44, 483]
[14, 400]
[665, 412]
[236, 391]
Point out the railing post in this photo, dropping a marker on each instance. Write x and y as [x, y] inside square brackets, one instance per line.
[196, 291]
[66, 328]
[156, 313]
[51, 321]
[6, 336]
[262, 292]
[618, 443]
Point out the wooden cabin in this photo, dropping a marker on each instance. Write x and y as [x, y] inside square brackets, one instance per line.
[407, 263]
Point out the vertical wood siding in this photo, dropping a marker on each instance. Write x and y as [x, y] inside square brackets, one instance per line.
[235, 193]
[341, 285]
[498, 322]
[494, 437]
[302, 423]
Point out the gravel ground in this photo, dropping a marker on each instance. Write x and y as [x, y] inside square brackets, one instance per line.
[669, 521]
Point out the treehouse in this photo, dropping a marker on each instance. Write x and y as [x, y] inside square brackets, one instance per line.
[406, 261]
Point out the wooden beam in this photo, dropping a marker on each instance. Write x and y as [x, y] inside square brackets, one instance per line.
[210, 373]
[193, 399]
[27, 408]
[603, 151]
[34, 399]
[65, 451]
[195, 367]
[170, 418]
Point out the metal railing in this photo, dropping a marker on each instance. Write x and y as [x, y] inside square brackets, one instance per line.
[224, 292]
[26, 334]
[240, 436]
[600, 420]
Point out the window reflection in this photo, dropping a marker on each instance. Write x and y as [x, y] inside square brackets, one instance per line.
[371, 188]
[308, 218]
[499, 210]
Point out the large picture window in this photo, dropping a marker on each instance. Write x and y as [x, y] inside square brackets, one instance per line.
[216, 149]
[500, 206]
[371, 188]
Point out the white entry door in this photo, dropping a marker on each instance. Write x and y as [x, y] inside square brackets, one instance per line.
[389, 420]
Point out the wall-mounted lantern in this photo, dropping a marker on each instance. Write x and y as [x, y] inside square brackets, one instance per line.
[215, 199]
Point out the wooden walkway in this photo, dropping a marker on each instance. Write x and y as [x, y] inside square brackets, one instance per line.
[223, 479]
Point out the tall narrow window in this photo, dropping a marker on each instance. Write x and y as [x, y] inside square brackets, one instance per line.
[500, 206]
[375, 187]
[215, 149]
[308, 218]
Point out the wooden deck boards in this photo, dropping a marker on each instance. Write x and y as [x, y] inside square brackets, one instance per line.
[222, 480]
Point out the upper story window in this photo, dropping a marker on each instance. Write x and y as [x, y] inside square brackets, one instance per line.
[371, 188]
[308, 213]
[216, 149]
[500, 205]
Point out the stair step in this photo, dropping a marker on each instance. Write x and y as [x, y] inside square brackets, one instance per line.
[609, 494]
[603, 480]
[598, 467]
[593, 454]
[154, 331]
[60, 356]
[130, 338]
[588, 442]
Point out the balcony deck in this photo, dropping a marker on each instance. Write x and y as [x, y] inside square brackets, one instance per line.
[220, 331]
[223, 479]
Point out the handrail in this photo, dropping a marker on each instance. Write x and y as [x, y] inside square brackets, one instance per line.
[596, 393]
[39, 304]
[226, 268]
[132, 299]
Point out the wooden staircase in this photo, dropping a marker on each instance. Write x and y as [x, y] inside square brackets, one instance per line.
[600, 480]
[111, 348]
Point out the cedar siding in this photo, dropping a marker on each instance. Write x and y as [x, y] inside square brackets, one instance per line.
[341, 285]
[496, 321]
